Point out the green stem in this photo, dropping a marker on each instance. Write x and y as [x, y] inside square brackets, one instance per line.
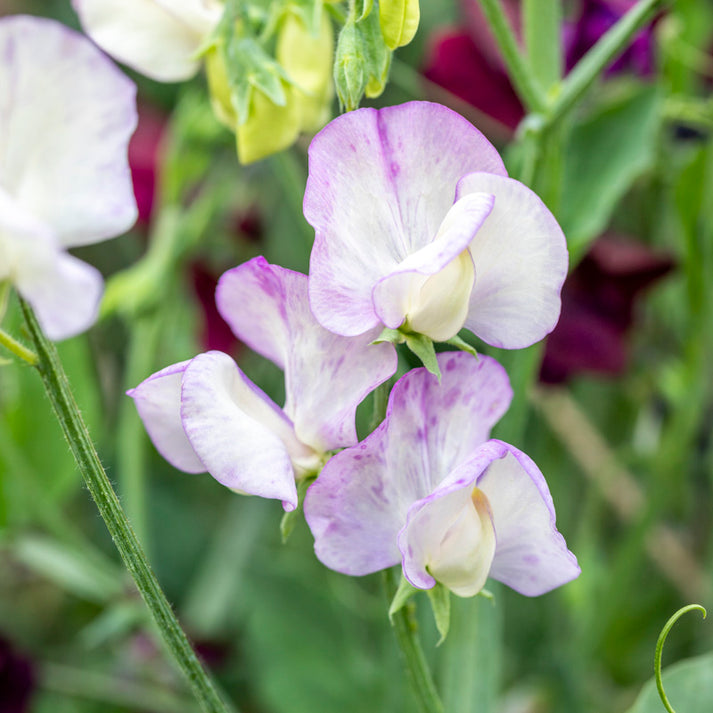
[659, 650]
[523, 79]
[406, 631]
[601, 55]
[17, 349]
[131, 436]
[65, 408]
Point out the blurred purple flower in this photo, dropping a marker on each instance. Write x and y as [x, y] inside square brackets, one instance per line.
[17, 680]
[598, 309]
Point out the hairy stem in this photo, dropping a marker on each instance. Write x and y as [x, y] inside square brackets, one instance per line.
[65, 408]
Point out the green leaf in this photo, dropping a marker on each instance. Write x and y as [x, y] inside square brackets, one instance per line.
[440, 598]
[405, 591]
[423, 348]
[605, 155]
[689, 687]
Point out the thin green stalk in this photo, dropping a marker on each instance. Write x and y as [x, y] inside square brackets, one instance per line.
[17, 349]
[65, 408]
[601, 55]
[659, 650]
[406, 631]
[542, 20]
[523, 79]
[131, 435]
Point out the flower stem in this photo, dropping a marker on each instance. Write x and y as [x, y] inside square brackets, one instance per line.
[601, 55]
[65, 408]
[406, 631]
[522, 76]
[659, 650]
[17, 349]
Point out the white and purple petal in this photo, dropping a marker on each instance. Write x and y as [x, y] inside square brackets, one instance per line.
[66, 116]
[158, 401]
[431, 287]
[520, 257]
[531, 556]
[380, 184]
[326, 375]
[245, 441]
[360, 501]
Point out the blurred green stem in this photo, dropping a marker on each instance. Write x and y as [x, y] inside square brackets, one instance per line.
[599, 57]
[17, 349]
[131, 436]
[523, 79]
[65, 408]
[406, 630]
[80, 683]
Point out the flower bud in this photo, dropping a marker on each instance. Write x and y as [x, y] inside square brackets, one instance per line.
[399, 21]
[350, 76]
[308, 60]
[269, 128]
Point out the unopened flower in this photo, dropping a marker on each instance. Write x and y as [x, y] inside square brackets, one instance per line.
[66, 116]
[206, 415]
[429, 490]
[419, 228]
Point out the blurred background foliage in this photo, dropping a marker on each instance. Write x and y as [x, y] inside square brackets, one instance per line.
[619, 420]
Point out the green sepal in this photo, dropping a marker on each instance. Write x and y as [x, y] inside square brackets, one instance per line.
[440, 598]
[289, 519]
[394, 336]
[461, 344]
[366, 8]
[423, 348]
[405, 591]
[486, 594]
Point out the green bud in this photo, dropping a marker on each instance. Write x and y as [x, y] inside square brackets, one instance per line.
[350, 75]
[399, 21]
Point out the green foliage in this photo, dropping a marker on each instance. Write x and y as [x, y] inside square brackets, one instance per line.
[605, 154]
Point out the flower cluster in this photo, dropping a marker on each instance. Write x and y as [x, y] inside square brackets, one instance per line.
[418, 230]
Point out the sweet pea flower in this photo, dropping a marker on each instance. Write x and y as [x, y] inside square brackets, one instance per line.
[206, 415]
[428, 489]
[419, 228]
[66, 116]
[158, 38]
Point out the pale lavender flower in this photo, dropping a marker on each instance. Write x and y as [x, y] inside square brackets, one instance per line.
[206, 415]
[428, 489]
[66, 116]
[419, 227]
[159, 38]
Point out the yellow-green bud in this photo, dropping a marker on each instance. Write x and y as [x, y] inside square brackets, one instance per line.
[269, 128]
[219, 87]
[399, 21]
[308, 61]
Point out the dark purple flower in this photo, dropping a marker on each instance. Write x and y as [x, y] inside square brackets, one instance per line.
[598, 309]
[17, 680]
